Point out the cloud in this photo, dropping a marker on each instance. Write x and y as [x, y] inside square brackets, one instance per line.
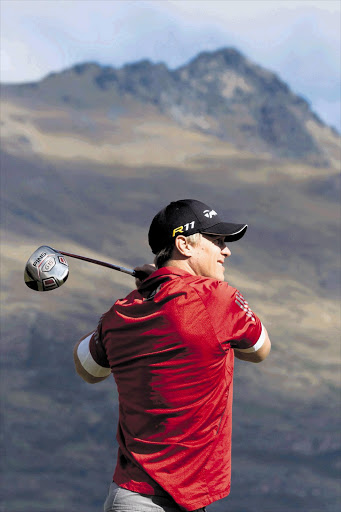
[299, 40]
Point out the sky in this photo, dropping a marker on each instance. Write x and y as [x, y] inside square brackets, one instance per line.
[299, 40]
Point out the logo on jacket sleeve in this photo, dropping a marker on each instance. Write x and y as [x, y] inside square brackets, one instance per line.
[242, 303]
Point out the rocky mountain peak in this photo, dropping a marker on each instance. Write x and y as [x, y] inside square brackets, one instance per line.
[220, 93]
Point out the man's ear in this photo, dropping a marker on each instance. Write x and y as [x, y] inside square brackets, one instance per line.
[183, 246]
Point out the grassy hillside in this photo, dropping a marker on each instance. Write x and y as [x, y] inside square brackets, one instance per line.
[95, 195]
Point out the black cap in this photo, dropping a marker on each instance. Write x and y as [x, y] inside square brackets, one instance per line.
[186, 217]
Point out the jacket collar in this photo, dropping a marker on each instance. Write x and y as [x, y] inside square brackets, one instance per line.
[160, 276]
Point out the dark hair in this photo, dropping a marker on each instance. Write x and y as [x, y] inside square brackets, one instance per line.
[164, 255]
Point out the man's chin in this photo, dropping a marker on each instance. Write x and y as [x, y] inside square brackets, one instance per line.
[220, 275]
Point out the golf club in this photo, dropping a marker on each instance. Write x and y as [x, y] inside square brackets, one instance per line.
[47, 268]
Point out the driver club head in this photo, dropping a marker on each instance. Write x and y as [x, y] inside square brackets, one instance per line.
[46, 270]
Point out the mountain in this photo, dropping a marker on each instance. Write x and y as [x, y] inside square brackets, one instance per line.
[221, 94]
[88, 156]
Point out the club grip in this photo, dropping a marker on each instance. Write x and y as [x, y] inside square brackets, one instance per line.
[139, 274]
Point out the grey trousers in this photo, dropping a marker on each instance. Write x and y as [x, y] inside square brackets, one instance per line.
[122, 500]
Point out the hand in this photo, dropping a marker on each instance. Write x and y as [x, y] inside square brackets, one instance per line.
[143, 272]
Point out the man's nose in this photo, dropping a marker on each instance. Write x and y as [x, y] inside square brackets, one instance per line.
[226, 252]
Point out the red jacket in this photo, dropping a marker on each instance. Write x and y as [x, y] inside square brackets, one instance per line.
[169, 347]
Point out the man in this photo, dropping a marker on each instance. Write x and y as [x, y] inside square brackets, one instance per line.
[170, 346]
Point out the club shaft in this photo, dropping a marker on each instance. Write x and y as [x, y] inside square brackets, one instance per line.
[129, 271]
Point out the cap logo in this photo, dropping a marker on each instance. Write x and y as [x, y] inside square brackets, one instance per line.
[209, 213]
[185, 227]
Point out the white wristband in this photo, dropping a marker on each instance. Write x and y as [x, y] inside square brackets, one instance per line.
[257, 345]
[88, 362]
